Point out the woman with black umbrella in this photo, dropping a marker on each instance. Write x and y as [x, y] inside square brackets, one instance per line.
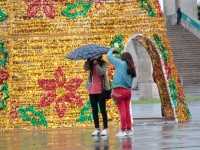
[96, 83]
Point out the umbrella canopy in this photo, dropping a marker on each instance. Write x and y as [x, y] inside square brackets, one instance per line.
[88, 51]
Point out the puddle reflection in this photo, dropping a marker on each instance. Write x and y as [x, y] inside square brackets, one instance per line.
[101, 142]
[126, 142]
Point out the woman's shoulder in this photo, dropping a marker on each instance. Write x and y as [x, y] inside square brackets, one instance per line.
[123, 63]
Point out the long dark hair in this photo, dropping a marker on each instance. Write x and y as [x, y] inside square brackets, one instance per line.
[126, 56]
[100, 62]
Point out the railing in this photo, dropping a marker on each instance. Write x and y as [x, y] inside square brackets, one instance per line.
[190, 21]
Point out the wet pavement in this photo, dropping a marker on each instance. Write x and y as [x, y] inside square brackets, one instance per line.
[156, 136]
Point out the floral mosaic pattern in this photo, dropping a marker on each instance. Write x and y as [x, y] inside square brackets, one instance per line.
[45, 5]
[60, 91]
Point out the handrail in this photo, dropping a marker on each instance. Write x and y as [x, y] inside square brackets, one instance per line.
[191, 21]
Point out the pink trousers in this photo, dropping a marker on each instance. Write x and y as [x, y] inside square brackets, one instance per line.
[124, 108]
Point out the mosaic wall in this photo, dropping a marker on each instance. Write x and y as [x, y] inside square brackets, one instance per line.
[39, 88]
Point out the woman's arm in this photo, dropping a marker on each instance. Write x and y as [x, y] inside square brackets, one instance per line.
[101, 70]
[112, 59]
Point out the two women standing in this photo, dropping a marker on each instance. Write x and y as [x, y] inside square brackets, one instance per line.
[122, 81]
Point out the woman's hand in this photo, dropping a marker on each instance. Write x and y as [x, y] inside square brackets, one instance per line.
[95, 62]
[116, 46]
[115, 52]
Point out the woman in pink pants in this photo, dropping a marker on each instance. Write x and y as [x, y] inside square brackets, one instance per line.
[122, 81]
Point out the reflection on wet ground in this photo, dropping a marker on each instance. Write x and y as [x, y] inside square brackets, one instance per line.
[184, 136]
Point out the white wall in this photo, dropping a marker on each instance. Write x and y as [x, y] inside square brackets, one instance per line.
[169, 7]
[130, 48]
[189, 7]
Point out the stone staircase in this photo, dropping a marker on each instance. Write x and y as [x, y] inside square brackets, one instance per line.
[186, 52]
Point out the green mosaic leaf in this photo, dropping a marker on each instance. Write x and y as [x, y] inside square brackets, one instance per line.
[187, 109]
[161, 47]
[117, 39]
[173, 91]
[36, 113]
[5, 55]
[4, 89]
[3, 16]
[85, 5]
[83, 117]
[146, 6]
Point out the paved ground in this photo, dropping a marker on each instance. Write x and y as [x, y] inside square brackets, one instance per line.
[189, 92]
[192, 92]
[157, 136]
[169, 136]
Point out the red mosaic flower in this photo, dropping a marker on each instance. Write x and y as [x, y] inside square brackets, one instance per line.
[98, 4]
[4, 75]
[45, 5]
[13, 113]
[180, 97]
[168, 70]
[111, 72]
[60, 91]
[179, 80]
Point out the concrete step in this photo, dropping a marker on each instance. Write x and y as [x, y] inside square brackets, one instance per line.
[186, 51]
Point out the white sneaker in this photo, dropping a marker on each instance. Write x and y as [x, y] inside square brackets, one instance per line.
[96, 132]
[121, 133]
[104, 132]
[129, 132]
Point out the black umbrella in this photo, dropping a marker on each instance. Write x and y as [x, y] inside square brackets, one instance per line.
[88, 51]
